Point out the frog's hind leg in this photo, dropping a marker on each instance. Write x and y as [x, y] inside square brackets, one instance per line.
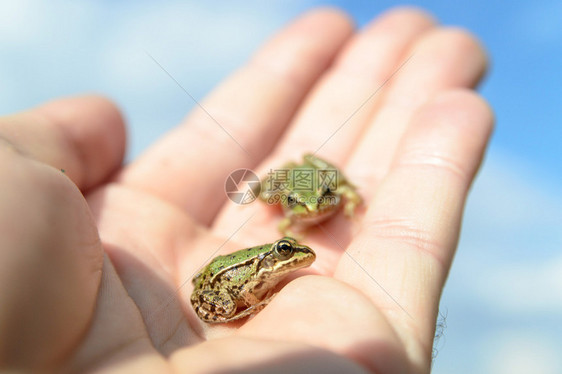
[289, 165]
[344, 186]
[213, 307]
[326, 167]
[320, 163]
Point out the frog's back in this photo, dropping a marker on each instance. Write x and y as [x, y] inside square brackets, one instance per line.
[240, 257]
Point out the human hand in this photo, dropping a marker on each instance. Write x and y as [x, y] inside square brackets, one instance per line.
[371, 298]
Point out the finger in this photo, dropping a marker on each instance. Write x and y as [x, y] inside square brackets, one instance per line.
[340, 104]
[242, 119]
[325, 313]
[147, 240]
[442, 59]
[403, 253]
[231, 355]
[84, 136]
[50, 263]
[322, 124]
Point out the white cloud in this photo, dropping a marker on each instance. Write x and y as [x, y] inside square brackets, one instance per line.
[511, 194]
[59, 48]
[510, 255]
[195, 43]
[512, 217]
[31, 22]
[504, 294]
[19, 21]
[191, 40]
[47, 50]
[520, 351]
[525, 288]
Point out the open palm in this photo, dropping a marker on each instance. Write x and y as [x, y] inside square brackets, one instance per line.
[104, 283]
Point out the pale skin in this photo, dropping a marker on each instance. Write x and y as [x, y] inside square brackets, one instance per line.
[90, 259]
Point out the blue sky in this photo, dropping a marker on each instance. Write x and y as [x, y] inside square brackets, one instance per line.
[503, 301]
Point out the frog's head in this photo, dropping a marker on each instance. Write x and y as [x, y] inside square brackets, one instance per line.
[308, 207]
[285, 256]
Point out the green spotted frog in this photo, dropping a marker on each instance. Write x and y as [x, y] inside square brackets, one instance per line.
[309, 192]
[239, 284]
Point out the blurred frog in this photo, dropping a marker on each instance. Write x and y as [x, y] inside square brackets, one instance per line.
[309, 192]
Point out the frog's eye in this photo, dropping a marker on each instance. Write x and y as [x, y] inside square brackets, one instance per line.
[284, 249]
[291, 200]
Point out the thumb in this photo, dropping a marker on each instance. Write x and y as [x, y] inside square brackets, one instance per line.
[50, 262]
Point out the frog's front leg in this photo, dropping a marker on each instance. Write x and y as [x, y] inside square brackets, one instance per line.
[284, 225]
[266, 190]
[352, 199]
[317, 162]
[212, 306]
[255, 308]
[284, 228]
